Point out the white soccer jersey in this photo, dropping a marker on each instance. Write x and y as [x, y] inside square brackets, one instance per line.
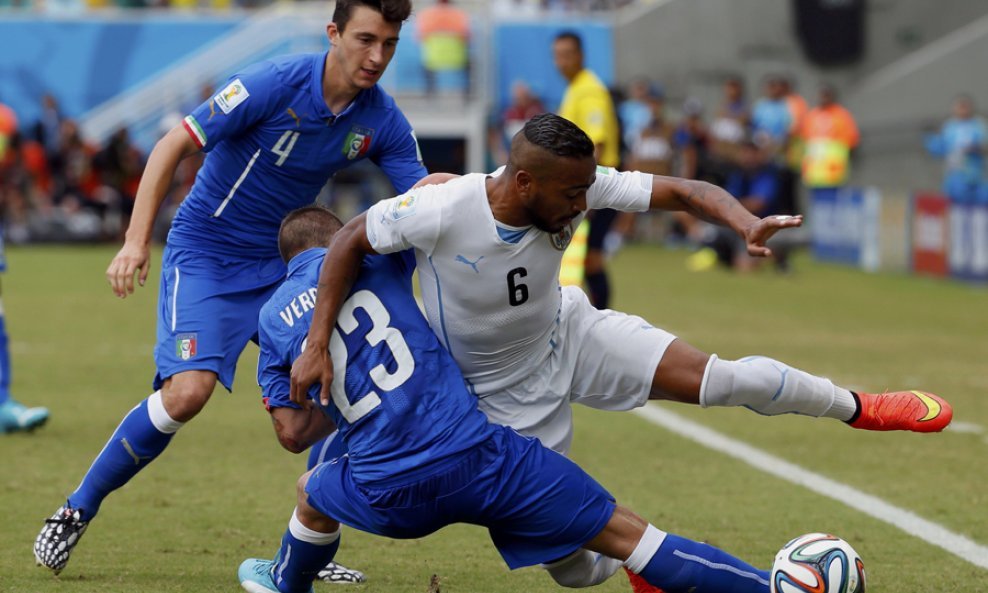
[491, 297]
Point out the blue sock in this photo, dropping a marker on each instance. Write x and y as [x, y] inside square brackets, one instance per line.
[680, 565]
[4, 359]
[304, 552]
[135, 443]
[326, 449]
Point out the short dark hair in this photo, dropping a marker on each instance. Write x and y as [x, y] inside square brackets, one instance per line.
[305, 228]
[572, 36]
[393, 11]
[558, 136]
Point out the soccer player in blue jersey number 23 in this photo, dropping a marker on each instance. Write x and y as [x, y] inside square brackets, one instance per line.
[273, 136]
[421, 454]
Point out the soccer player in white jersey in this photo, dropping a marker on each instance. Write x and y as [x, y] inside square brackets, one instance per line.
[488, 249]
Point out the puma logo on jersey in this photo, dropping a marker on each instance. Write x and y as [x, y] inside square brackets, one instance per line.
[472, 264]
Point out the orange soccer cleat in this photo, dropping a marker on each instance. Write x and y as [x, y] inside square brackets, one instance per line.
[903, 410]
[640, 585]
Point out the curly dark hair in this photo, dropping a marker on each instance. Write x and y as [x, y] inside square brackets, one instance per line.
[305, 228]
[393, 11]
[558, 136]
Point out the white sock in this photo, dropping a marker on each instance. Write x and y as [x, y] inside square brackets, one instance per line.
[770, 387]
[647, 546]
[582, 568]
[159, 416]
[311, 536]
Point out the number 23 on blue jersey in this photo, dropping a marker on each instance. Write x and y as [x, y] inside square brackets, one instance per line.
[380, 331]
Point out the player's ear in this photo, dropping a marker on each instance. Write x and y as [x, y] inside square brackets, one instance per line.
[523, 181]
[333, 33]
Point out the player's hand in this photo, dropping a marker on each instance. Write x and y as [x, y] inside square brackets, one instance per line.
[761, 231]
[313, 366]
[133, 258]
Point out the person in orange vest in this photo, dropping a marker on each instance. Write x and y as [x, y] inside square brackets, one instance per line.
[444, 32]
[829, 133]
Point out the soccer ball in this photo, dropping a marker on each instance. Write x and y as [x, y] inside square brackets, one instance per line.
[818, 563]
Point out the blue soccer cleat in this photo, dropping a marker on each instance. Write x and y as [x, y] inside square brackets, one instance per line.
[256, 576]
[16, 417]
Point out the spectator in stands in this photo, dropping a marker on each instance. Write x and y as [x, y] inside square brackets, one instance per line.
[444, 32]
[119, 166]
[693, 142]
[47, 128]
[789, 173]
[961, 143]
[8, 127]
[635, 112]
[771, 120]
[728, 128]
[524, 106]
[829, 133]
[651, 148]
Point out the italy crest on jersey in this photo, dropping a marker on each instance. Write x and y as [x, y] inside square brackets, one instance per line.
[185, 346]
[357, 142]
[561, 240]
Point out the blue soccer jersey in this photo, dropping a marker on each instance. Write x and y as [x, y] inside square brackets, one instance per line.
[394, 385]
[272, 144]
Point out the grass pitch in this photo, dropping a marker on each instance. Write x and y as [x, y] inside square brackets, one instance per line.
[224, 489]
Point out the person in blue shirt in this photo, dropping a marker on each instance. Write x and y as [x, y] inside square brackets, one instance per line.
[961, 143]
[14, 416]
[755, 182]
[420, 453]
[273, 136]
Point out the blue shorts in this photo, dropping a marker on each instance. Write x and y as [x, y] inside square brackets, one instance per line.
[537, 505]
[207, 310]
[3, 253]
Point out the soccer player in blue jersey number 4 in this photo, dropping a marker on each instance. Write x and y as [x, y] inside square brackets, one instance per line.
[273, 137]
[421, 453]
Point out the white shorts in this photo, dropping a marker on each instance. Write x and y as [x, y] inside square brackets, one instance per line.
[602, 359]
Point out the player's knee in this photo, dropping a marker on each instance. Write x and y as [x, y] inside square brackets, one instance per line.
[582, 568]
[184, 396]
[301, 495]
[289, 441]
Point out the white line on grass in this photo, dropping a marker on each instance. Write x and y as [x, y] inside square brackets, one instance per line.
[872, 506]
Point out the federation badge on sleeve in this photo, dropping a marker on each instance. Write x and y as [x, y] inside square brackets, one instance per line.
[234, 94]
[185, 346]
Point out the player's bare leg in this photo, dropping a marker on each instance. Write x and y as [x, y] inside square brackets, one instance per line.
[771, 387]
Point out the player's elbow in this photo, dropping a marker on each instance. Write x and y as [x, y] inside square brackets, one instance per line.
[291, 441]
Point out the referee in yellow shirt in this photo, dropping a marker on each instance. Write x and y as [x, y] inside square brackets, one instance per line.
[588, 104]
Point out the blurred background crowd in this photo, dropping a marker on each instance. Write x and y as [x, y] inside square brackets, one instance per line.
[776, 135]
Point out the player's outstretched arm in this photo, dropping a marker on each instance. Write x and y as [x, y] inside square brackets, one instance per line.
[134, 256]
[339, 270]
[714, 204]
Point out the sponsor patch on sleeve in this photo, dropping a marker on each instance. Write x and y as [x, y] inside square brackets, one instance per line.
[602, 170]
[403, 206]
[234, 94]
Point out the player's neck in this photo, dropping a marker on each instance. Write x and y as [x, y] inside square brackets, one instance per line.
[504, 204]
[337, 91]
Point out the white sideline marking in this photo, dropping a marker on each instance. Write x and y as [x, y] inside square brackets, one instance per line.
[966, 427]
[928, 531]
